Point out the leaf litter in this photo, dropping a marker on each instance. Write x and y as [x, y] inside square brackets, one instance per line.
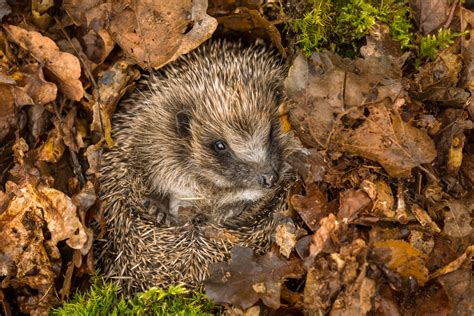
[384, 210]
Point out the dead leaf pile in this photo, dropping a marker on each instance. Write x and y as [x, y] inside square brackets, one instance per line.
[387, 171]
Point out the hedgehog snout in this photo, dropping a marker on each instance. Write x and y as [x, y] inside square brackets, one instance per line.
[268, 179]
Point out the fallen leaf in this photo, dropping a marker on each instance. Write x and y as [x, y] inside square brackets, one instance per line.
[5, 9]
[323, 240]
[352, 204]
[63, 68]
[424, 218]
[286, 236]
[353, 107]
[384, 137]
[401, 257]
[458, 217]
[250, 20]
[356, 299]
[113, 83]
[437, 81]
[53, 149]
[460, 289]
[382, 197]
[312, 207]
[154, 33]
[34, 84]
[322, 286]
[431, 15]
[248, 278]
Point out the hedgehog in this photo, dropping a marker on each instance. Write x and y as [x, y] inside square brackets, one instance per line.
[199, 166]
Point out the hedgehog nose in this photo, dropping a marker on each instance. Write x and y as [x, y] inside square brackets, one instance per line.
[268, 180]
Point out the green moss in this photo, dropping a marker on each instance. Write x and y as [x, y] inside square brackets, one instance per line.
[314, 27]
[431, 45]
[340, 24]
[103, 298]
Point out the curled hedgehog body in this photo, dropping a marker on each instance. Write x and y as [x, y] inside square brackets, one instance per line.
[198, 167]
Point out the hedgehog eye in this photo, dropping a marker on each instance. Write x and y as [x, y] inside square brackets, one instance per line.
[219, 146]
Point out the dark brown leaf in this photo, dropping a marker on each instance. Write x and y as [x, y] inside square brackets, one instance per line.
[248, 278]
[312, 207]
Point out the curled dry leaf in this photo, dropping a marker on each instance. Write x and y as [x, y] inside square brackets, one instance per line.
[63, 68]
[36, 219]
[154, 33]
[112, 85]
[249, 20]
[248, 278]
[353, 107]
[381, 196]
[456, 264]
[323, 240]
[436, 81]
[286, 236]
[34, 85]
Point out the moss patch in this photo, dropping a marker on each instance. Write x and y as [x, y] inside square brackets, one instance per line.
[103, 298]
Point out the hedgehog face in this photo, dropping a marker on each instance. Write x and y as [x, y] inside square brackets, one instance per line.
[243, 152]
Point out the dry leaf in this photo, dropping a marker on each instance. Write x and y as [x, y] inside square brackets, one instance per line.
[401, 257]
[63, 68]
[353, 107]
[247, 278]
[312, 207]
[248, 20]
[155, 33]
[34, 84]
[53, 149]
[112, 85]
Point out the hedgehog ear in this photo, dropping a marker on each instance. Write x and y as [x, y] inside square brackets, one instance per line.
[183, 120]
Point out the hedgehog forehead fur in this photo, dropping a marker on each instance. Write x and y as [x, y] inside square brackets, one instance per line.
[236, 102]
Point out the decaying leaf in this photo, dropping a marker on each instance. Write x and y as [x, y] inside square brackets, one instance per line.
[112, 85]
[381, 196]
[36, 218]
[458, 217]
[155, 33]
[353, 107]
[34, 84]
[352, 204]
[248, 278]
[312, 207]
[401, 257]
[5, 9]
[53, 149]
[431, 14]
[249, 20]
[437, 81]
[321, 287]
[323, 240]
[63, 68]
[357, 298]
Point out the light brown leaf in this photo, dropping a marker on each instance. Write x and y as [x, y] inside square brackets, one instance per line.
[64, 68]
[154, 33]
